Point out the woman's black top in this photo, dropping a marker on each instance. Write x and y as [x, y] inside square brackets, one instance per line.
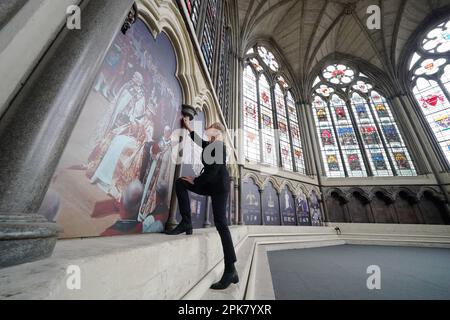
[215, 176]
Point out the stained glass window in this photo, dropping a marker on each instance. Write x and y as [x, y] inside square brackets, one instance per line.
[328, 144]
[267, 120]
[194, 7]
[297, 145]
[268, 58]
[224, 76]
[251, 122]
[283, 129]
[347, 137]
[370, 136]
[391, 133]
[279, 131]
[430, 73]
[356, 129]
[338, 74]
[209, 32]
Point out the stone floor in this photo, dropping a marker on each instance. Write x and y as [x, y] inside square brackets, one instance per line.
[340, 272]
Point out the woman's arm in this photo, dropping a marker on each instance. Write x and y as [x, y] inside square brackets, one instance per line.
[194, 136]
[198, 140]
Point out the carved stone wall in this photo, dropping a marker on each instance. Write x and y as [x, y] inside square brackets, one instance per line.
[404, 205]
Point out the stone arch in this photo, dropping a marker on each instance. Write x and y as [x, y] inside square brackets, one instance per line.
[407, 53]
[338, 192]
[433, 206]
[382, 206]
[255, 178]
[387, 196]
[302, 189]
[431, 191]
[406, 192]
[363, 193]
[358, 206]
[336, 202]
[270, 202]
[288, 184]
[210, 107]
[406, 206]
[251, 199]
[165, 17]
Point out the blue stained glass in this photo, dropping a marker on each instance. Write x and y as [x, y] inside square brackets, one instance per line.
[379, 162]
[391, 134]
[362, 111]
[347, 136]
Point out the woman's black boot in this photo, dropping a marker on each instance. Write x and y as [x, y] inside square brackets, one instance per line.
[181, 228]
[230, 276]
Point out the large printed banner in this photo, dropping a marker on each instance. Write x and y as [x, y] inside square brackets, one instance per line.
[251, 203]
[271, 206]
[116, 175]
[287, 205]
[192, 167]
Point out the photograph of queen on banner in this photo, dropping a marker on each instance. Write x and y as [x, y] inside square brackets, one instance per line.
[117, 172]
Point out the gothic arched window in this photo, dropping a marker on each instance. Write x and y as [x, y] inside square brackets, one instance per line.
[271, 123]
[430, 74]
[251, 122]
[357, 132]
[223, 86]
[211, 20]
[194, 10]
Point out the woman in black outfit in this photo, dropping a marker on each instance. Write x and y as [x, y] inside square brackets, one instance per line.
[214, 182]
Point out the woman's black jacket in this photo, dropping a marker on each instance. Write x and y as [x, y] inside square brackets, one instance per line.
[215, 177]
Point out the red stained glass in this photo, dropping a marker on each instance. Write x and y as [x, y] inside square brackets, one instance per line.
[431, 100]
[338, 74]
[265, 97]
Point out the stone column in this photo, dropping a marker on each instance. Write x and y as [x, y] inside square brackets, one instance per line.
[430, 156]
[413, 134]
[326, 215]
[261, 209]
[36, 128]
[280, 215]
[315, 157]
[307, 139]
[207, 222]
[239, 190]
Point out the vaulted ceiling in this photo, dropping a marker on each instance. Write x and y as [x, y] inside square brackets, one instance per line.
[306, 31]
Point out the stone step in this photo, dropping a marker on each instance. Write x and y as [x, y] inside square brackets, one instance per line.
[247, 255]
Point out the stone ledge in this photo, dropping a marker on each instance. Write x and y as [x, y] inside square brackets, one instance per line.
[166, 267]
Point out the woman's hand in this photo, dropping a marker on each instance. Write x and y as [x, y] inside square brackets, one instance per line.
[189, 179]
[186, 123]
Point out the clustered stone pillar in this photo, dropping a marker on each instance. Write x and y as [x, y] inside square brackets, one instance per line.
[36, 127]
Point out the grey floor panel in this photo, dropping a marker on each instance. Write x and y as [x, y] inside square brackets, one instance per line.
[340, 272]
